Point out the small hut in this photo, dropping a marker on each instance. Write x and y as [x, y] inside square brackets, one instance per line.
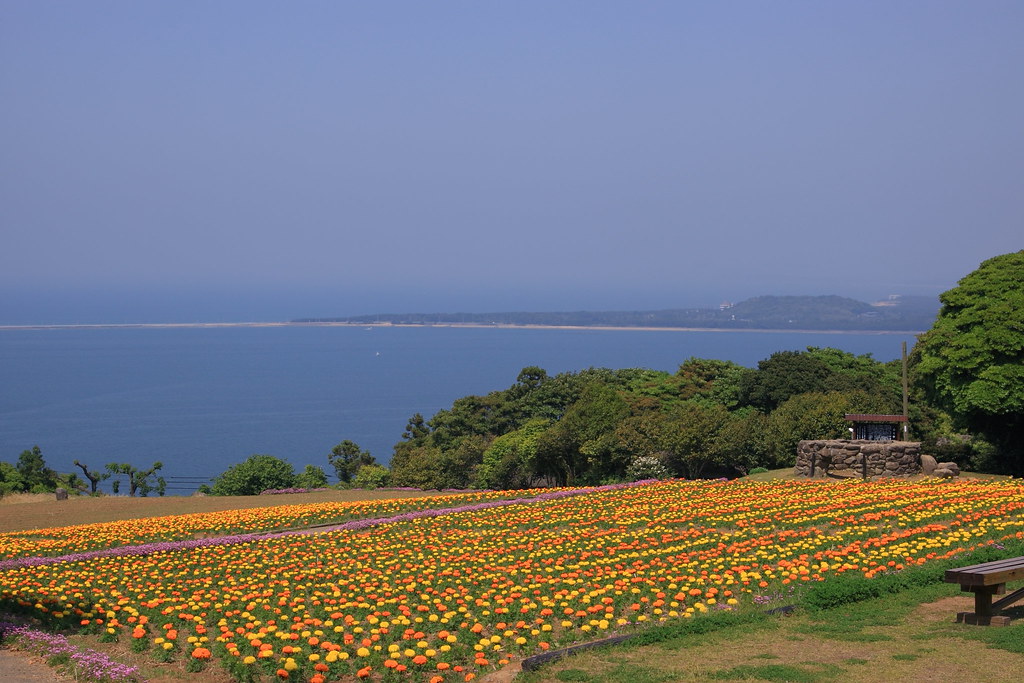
[877, 427]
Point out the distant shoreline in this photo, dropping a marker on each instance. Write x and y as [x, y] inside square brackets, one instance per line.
[503, 326]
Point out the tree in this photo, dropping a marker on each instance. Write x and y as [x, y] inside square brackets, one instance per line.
[971, 362]
[582, 445]
[530, 378]
[456, 468]
[782, 375]
[311, 478]
[10, 479]
[740, 444]
[415, 466]
[509, 460]
[371, 477]
[851, 373]
[346, 458]
[693, 440]
[93, 476]
[710, 381]
[141, 482]
[35, 475]
[255, 475]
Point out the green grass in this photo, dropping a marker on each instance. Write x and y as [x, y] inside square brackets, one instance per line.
[810, 672]
[846, 613]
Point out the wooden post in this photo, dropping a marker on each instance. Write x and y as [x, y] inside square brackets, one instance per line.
[983, 614]
[906, 425]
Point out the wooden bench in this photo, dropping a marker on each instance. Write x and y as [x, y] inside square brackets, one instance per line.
[986, 580]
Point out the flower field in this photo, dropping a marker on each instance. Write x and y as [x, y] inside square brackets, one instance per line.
[77, 539]
[449, 597]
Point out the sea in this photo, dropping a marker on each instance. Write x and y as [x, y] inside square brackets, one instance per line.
[202, 398]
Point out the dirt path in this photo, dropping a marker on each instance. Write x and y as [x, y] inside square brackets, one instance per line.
[24, 667]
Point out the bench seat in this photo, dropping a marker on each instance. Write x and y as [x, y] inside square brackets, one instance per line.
[986, 580]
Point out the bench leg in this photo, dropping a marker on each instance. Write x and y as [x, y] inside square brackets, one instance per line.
[983, 614]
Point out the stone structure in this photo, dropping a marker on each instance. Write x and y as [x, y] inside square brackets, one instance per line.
[858, 457]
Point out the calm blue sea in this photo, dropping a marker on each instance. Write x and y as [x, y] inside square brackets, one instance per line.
[202, 399]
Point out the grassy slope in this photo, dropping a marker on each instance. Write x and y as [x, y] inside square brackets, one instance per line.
[910, 636]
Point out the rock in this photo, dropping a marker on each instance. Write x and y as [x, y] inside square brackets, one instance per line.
[62, 494]
[951, 466]
[928, 464]
[942, 473]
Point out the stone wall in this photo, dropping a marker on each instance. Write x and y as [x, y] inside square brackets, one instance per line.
[884, 458]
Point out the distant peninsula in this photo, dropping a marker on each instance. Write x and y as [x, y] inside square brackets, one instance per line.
[896, 314]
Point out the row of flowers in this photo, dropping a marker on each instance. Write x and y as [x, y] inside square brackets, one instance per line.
[450, 596]
[363, 523]
[63, 540]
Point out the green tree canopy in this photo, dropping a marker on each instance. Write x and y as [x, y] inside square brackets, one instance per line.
[35, 475]
[971, 362]
[782, 375]
[346, 458]
[510, 460]
[583, 441]
[10, 479]
[372, 477]
[312, 477]
[255, 475]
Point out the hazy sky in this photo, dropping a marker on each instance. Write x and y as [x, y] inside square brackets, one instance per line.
[267, 160]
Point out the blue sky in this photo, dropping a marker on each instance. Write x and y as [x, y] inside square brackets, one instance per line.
[180, 161]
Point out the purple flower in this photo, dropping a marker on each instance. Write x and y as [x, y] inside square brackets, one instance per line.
[82, 663]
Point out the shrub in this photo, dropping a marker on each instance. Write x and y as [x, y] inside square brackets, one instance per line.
[255, 475]
[646, 467]
[372, 477]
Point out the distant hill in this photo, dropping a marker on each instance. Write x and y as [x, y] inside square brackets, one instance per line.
[760, 313]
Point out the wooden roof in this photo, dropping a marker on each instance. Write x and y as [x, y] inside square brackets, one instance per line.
[858, 417]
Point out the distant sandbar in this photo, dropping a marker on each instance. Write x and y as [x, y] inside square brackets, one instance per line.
[504, 326]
